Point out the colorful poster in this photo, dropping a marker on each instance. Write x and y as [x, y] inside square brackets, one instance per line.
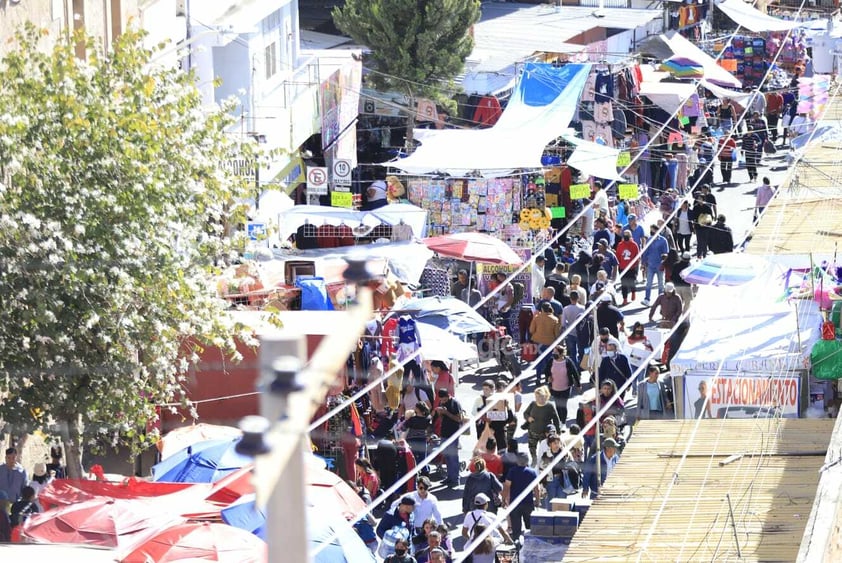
[742, 395]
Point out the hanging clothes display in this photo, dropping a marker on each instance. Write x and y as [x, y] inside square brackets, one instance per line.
[305, 237]
[488, 111]
[401, 232]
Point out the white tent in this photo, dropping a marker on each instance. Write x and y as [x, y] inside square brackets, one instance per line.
[593, 159]
[751, 18]
[668, 95]
[748, 329]
[540, 109]
[292, 218]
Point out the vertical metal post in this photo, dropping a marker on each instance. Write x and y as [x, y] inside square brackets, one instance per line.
[286, 526]
[734, 525]
[598, 427]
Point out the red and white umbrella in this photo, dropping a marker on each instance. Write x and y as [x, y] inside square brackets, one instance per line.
[474, 247]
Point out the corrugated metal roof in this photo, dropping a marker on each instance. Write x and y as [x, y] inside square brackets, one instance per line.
[508, 33]
[771, 487]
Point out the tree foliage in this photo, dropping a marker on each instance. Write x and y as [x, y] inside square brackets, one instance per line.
[416, 45]
[112, 206]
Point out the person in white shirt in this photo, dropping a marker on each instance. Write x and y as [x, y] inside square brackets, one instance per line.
[426, 503]
[600, 198]
[479, 515]
[538, 277]
[40, 478]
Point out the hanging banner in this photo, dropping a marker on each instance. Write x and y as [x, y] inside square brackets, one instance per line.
[628, 191]
[623, 159]
[742, 396]
[580, 191]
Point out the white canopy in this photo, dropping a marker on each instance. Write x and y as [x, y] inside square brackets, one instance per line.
[541, 107]
[294, 217]
[741, 98]
[593, 159]
[751, 18]
[752, 332]
[668, 95]
[682, 47]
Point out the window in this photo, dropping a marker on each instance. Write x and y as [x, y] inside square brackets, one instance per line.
[270, 58]
[271, 22]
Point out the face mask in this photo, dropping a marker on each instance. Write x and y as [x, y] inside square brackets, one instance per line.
[626, 238]
[612, 354]
[400, 551]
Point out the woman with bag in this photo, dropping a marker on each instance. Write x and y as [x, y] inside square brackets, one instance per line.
[481, 481]
[538, 415]
[562, 377]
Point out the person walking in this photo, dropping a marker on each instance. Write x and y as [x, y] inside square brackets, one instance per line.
[671, 307]
[609, 460]
[752, 148]
[481, 481]
[12, 476]
[520, 479]
[562, 377]
[628, 254]
[544, 328]
[683, 224]
[653, 258]
[682, 288]
[538, 415]
[653, 398]
[720, 239]
[727, 148]
[765, 193]
[452, 416]
[570, 315]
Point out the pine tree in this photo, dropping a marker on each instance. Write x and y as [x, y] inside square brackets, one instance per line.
[417, 46]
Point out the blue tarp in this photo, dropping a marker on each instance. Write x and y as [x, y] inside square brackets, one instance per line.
[313, 294]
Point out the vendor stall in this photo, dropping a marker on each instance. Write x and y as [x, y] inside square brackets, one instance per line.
[763, 348]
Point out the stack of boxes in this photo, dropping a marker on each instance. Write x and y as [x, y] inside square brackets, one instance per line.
[560, 524]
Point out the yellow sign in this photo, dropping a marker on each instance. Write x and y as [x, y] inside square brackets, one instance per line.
[342, 199]
[623, 159]
[628, 191]
[580, 191]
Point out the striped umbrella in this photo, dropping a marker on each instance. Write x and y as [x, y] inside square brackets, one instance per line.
[722, 269]
[682, 67]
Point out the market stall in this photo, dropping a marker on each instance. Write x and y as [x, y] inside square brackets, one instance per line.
[764, 344]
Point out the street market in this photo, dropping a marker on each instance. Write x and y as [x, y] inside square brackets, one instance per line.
[601, 264]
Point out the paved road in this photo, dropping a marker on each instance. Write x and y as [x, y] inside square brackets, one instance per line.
[735, 200]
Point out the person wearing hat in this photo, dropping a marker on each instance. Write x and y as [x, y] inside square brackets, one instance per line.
[40, 477]
[682, 288]
[609, 259]
[480, 516]
[399, 517]
[671, 306]
[608, 461]
[608, 315]
[720, 238]
[636, 230]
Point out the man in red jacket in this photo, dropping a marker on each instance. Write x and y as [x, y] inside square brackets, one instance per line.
[627, 256]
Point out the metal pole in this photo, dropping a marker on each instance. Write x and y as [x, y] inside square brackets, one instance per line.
[597, 426]
[734, 526]
[279, 473]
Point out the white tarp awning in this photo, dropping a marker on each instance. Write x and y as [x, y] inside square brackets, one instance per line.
[751, 18]
[741, 98]
[757, 333]
[298, 215]
[668, 95]
[540, 109]
[593, 159]
[682, 47]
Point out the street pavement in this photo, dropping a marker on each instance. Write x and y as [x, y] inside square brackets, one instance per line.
[735, 201]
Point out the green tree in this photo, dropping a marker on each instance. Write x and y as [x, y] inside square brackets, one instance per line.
[417, 46]
[113, 203]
